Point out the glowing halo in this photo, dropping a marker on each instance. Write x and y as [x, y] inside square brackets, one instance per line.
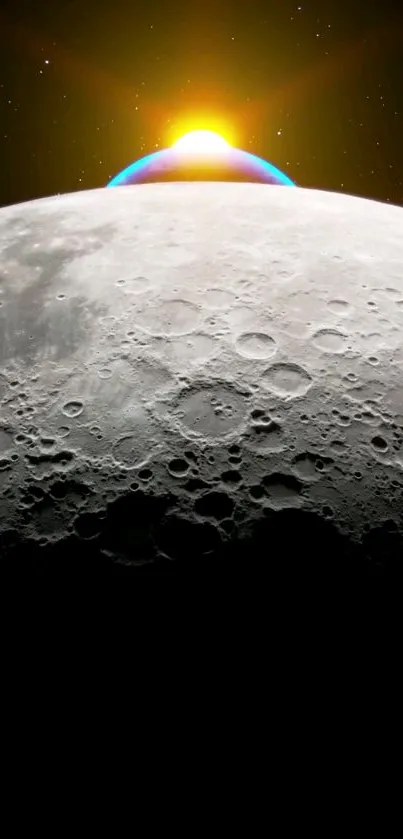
[203, 142]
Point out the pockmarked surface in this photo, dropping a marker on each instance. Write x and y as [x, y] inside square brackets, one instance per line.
[187, 366]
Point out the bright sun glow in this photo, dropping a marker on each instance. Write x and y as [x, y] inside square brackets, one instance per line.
[202, 142]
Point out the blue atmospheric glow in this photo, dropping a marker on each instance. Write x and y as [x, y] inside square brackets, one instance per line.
[135, 167]
[165, 159]
[269, 168]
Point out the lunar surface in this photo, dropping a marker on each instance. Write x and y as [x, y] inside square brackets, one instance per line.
[202, 373]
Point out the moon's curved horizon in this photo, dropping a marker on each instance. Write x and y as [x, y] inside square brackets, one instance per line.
[192, 371]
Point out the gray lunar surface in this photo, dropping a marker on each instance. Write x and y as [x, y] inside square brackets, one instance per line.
[192, 371]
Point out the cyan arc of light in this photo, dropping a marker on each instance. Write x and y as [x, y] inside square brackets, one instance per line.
[160, 160]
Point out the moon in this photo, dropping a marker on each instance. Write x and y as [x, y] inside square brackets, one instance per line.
[192, 372]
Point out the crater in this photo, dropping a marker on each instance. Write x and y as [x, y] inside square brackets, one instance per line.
[73, 408]
[105, 373]
[216, 505]
[379, 444]
[169, 317]
[210, 411]
[282, 490]
[256, 345]
[134, 449]
[195, 347]
[339, 307]
[178, 467]
[287, 380]
[307, 466]
[134, 285]
[330, 340]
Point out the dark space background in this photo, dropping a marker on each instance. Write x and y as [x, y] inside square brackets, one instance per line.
[314, 87]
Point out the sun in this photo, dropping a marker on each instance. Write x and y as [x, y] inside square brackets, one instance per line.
[202, 142]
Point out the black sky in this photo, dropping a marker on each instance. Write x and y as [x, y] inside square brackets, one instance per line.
[86, 88]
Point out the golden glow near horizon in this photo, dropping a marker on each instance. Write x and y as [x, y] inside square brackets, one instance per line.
[202, 142]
